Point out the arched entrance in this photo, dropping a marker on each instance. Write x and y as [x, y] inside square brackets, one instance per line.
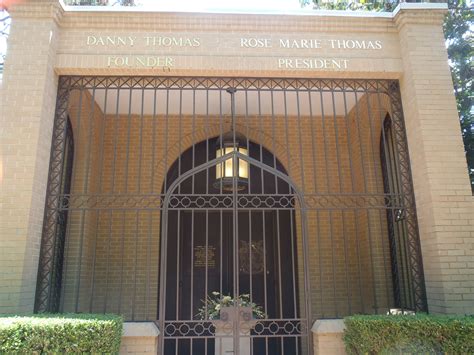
[232, 275]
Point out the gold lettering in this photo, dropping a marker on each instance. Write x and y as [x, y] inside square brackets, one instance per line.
[354, 44]
[284, 43]
[140, 61]
[255, 42]
[110, 41]
[91, 40]
[121, 41]
[173, 41]
[300, 43]
[312, 63]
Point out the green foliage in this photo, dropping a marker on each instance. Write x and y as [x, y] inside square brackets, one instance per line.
[213, 303]
[458, 32]
[99, 2]
[459, 37]
[355, 5]
[60, 333]
[409, 334]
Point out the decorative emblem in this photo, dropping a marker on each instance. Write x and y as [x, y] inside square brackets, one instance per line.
[258, 256]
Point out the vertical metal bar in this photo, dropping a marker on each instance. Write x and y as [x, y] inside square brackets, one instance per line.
[89, 141]
[137, 218]
[192, 272]
[127, 158]
[150, 217]
[391, 190]
[221, 128]
[206, 129]
[326, 158]
[73, 180]
[165, 138]
[179, 230]
[99, 191]
[318, 219]
[263, 218]
[315, 180]
[163, 262]
[304, 227]
[376, 181]
[356, 220]
[273, 140]
[235, 237]
[247, 121]
[179, 245]
[164, 230]
[339, 173]
[293, 264]
[85, 191]
[313, 141]
[260, 138]
[307, 286]
[164, 237]
[192, 212]
[278, 220]
[112, 191]
[193, 142]
[300, 139]
[366, 190]
[250, 255]
[247, 135]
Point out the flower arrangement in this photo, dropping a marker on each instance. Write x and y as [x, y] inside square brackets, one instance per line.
[215, 301]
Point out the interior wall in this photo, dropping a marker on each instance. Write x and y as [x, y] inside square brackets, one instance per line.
[349, 256]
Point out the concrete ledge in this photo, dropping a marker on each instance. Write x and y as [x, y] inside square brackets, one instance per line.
[327, 337]
[139, 338]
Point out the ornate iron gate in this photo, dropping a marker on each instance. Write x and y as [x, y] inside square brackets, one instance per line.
[229, 253]
[295, 192]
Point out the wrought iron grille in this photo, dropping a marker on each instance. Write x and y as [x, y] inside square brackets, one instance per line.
[316, 218]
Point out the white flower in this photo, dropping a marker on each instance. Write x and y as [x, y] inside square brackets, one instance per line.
[226, 299]
[218, 306]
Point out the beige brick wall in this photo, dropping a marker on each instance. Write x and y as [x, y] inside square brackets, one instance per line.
[139, 338]
[414, 53]
[29, 96]
[444, 202]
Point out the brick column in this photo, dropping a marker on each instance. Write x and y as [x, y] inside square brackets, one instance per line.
[28, 97]
[444, 202]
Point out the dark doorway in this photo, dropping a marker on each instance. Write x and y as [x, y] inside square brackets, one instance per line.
[201, 250]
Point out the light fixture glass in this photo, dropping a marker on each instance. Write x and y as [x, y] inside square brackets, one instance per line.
[232, 168]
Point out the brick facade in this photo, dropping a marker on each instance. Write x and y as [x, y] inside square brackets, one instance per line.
[47, 41]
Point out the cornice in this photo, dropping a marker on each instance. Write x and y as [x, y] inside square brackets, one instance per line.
[210, 22]
[38, 9]
[299, 22]
[420, 16]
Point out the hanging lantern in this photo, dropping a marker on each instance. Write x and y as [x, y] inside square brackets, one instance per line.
[233, 168]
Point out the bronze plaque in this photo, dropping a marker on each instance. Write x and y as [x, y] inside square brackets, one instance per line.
[200, 256]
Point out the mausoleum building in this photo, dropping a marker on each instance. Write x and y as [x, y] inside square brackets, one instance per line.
[306, 166]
